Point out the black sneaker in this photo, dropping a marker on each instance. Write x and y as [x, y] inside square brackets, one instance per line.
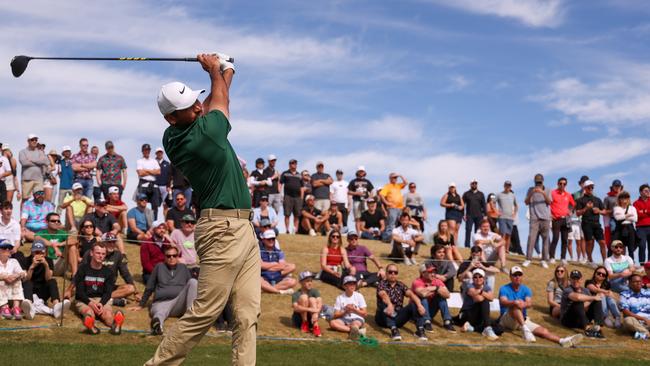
[121, 302]
[156, 328]
[394, 334]
[421, 335]
[590, 333]
[450, 327]
[428, 327]
[600, 335]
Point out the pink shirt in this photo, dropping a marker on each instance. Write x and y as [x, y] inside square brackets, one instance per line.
[185, 245]
[560, 203]
[420, 283]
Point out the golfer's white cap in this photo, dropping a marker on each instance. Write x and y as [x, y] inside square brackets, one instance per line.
[32, 136]
[588, 183]
[176, 96]
[66, 148]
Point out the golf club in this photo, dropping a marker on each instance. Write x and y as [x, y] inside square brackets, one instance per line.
[19, 63]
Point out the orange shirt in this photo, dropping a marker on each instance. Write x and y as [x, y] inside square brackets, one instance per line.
[392, 192]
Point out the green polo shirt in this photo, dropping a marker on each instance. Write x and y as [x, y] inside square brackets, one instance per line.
[60, 237]
[202, 152]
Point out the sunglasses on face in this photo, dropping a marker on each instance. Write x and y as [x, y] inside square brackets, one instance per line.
[171, 255]
[601, 274]
[335, 236]
[559, 271]
[618, 247]
[393, 272]
[562, 184]
[88, 227]
[516, 275]
[477, 276]
[189, 222]
[55, 221]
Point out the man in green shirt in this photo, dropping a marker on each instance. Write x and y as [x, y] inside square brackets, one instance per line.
[196, 143]
[55, 241]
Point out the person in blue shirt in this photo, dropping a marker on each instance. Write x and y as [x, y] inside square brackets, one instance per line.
[139, 219]
[635, 306]
[66, 177]
[275, 270]
[515, 298]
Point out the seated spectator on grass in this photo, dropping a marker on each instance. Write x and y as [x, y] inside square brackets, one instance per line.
[264, 211]
[474, 315]
[598, 284]
[335, 217]
[152, 249]
[86, 238]
[183, 239]
[105, 223]
[406, 241]
[117, 208]
[515, 299]
[39, 286]
[493, 245]
[358, 256]
[555, 289]
[635, 306]
[76, 206]
[11, 287]
[276, 271]
[94, 284]
[33, 215]
[391, 312]
[446, 238]
[372, 222]
[580, 309]
[334, 261]
[619, 267]
[307, 305]
[645, 280]
[173, 288]
[56, 241]
[350, 310]
[445, 269]
[312, 220]
[139, 220]
[175, 214]
[475, 261]
[9, 228]
[266, 225]
[433, 294]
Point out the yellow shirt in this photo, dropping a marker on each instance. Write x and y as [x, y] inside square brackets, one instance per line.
[392, 192]
[79, 207]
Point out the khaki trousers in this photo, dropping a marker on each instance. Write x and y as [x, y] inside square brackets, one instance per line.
[634, 325]
[230, 271]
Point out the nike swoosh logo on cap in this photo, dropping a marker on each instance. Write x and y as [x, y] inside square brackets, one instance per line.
[182, 91]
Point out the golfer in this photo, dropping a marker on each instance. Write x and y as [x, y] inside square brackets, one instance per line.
[197, 144]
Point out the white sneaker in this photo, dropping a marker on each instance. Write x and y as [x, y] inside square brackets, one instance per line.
[552, 261]
[544, 264]
[407, 261]
[467, 328]
[28, 309]
[413, 262]
[565, 262]
[526, 263]
[57, 309]
[528, 335]
[312, 232]
[488, 332]
[572, 341]
[362, 332]
[288, 291]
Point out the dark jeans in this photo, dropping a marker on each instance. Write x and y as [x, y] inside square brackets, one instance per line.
[404, 315]
[150, 189]
[344, 212]
[3, 190]
[371, 278]
[560, 232]
[87, 184]
[333, 280]
[437, 303]
[643, 232]
[145, 277]
[578, 317]
[48, 290]
[478, 316]
[476, 221]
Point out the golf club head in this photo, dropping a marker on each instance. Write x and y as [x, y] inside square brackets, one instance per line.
[19, 64]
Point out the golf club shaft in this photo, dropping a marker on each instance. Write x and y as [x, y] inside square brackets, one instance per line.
[187, 59]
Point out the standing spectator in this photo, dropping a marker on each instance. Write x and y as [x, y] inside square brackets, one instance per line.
[83, 164]
[508, 209]
[33, 216]
[391, 196]
[339, 194]
[56, 241]
[446, 238]
[174, 290]
[360, 189]
[180, 183]
[183, 239]
[275, 198]
[493, 245]
[642, 206]
[635, 305]
[357, 256]
[11, 288]
[406, 241]
[139, 220]
[598, 284]
[538, 199]
[350, 310]
[11, 181]
[445, 270]
[454, 206]
[5, 173]
[76, 206]
[276, 272]
[320, 184]
[33, 161]
[117, 207]
[97, 190]
[264, 211]
[111, 171]
[475, 313]
[475, 261]
[415, 203]
[334, 263]
[475, 210]
[175, 214]
[589, 207]
[306, 182]
[312, 220]
[619, 267]
[576, 224]
[391, 312]
[259, 182]
[580, 309]
[625, 216]
[147, 169]
[372, 222]
[561, 204]
[9, 228]
[292, 183]
[515, 299]
[433, 294]
[492, 211]
[555, 289]
[51, 176]
[163, 179]
[610, 201]
[66, 176]
[307, 305]
[152, 249]
[94, 284]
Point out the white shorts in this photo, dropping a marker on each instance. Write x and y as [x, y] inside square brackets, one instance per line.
[576, 232]
[9, 183]
[11, 292]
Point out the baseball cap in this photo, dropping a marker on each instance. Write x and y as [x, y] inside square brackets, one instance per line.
[264, 198]
[588, 183]
[339, 171]
[352, 233]
[426, 267]
[583, 179]
[451, 184]
[6, 244]
[371, 200]
[305, 275]
[515, 270]
[77, 186]
[53, 152]
[101, 202]
[109, 237]
[268, 234]
[392, 175]
[616, 243]
[5, 147]
[507, 183]
[293, 161]
[157, 223]
[259, 161]
[474, 180]
[38, 246]
[109, 144]
[349, 279]
[32, 136]
[141, 196]
[575, 274]
[146, 147]
[479, 271]
[65, 148]
[617, 183]
[188, 217]
[361, 168]
[175, 96]
[309, 197]
[272, 157]
[159, 149]
[113, 189]
[319, 163]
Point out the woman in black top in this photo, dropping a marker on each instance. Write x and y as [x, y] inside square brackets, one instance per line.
[446, 238]
[86, 237]
[454, 206]
[598, 284]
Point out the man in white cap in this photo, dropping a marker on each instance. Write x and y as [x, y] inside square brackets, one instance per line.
[589, 208]
[350, 310]
[66, 177]
[33, 162]
[197, 143]
[275, 198]
[359, 189]
[275, 270]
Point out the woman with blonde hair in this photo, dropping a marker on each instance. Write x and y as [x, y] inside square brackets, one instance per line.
[454, 208]
[555, 288]
[334, 261]
[447, 239]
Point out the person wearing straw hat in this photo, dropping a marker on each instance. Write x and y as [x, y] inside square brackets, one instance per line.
[350, 310]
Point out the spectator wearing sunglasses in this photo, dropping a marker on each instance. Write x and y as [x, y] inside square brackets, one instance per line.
[33, 216]
[276, 271]
[183, 239]
[635, 305]
[433, 294]
[56, 239]
[33, 162]
[555, 289]
[474, 315]
[619, 267]
[139, 219]
[334, 261]
[174, 216]
[152, 249]
[598, 284]
[580, 309]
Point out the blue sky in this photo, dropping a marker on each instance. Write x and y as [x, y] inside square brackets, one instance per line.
[437, 90]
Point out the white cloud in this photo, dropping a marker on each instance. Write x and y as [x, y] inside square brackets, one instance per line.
[456, 83]
[533, 13]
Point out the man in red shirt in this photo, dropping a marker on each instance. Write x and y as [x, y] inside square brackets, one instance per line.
[152, 250]
[642, 206]
[561, 201]
[117, 207]
[433, 294]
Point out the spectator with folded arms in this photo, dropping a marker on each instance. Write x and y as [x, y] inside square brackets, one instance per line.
[635, 306]
[276, 271]
[580, 309]
[474, 315]
[139, 219]
[33, 216]
[350, 310]
[619, 267]
[598, 284]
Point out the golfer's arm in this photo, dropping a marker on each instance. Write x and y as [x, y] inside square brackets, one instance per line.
[218, 98]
